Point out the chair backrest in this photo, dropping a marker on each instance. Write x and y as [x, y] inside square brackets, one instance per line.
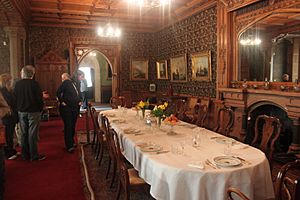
[109, 140]
[287, 186]
[202, 115]
[116, 101]
[195, 113]
[180, 108]
[237, 192]
[225, 121]
[122, 168]
[267, 130]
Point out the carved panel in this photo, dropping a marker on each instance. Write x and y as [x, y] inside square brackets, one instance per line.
[48, 72]
[4, 52]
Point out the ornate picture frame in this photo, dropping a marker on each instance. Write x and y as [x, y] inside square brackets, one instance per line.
[178, 68]
[162, 69]
[138, 69]
[201, 66]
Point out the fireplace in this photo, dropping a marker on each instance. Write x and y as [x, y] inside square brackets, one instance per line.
[248, 103]
[270, 109]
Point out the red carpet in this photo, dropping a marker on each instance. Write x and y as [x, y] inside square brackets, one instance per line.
[57, 177]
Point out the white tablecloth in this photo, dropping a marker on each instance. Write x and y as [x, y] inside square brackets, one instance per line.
[170, 175]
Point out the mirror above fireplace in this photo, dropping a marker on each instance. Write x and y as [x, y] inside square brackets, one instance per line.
[269, 48]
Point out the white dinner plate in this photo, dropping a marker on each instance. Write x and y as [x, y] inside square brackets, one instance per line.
[226, 161]
[131, 130]
[151, 148]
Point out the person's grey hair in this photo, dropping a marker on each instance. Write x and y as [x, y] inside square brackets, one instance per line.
[27, 72]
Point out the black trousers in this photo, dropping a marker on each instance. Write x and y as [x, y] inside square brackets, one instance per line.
[9, 139]
[84, 98]
[69, 117]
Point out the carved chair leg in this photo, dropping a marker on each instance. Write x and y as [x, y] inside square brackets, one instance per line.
[108, 168]
[101, 155]
[119, 190]
[94, 138]
[96, 146]
[114, 173]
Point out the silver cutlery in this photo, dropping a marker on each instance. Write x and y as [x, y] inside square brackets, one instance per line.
[159, 152]
[243, 160]
[208, 162]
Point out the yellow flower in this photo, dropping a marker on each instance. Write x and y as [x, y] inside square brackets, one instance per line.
[166, 104]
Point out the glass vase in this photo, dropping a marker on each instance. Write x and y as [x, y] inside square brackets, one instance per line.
[158, 121]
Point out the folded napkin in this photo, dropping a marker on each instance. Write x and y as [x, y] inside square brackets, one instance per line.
[196, 164]
[239, 146]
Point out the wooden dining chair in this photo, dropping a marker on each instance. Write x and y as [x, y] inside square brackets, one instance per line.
[195, 113]
[287, 184]
[100, 137]
[91, 114]
[202, 116]
[180, 109]
[224, 121]
[267, 130]
[128, 177]
[116, 101]
[112, 160]
[237, 192]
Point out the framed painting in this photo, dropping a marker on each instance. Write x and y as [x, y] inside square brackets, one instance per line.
[201, 66]
[178, 68]
[139, 69]
[162, 69]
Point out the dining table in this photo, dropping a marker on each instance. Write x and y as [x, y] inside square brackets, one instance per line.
[181, 161]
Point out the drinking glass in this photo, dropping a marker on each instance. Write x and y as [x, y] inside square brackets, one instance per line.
[196, 140]
[228, 146]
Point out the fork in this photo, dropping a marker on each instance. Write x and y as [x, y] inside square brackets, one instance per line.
[208, 162]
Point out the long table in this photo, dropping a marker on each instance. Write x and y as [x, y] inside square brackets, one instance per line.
[170, 173]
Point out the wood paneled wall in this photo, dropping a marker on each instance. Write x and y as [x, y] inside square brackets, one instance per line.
[4, 52]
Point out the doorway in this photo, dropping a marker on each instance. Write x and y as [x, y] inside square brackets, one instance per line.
[98, 74]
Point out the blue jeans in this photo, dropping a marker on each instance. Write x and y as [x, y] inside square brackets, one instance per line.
[29, 126]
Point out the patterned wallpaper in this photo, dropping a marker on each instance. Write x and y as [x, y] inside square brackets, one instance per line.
[194, 34]
[4, 52]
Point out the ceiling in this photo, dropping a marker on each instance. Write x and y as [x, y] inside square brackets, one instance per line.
[92, 13]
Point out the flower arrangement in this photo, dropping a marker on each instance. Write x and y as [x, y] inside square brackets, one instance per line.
[142, 105]
[159, 111]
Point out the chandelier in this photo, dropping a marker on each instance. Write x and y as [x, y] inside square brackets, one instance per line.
[108, 31]
[149, 3]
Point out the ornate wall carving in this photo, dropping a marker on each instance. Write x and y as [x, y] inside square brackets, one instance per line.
[4, 52]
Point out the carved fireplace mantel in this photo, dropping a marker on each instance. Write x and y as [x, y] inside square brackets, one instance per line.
[245, 100]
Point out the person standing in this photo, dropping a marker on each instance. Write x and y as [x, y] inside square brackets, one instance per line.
[9, 120]
[69, 105]
[30, 104]
[83, 91]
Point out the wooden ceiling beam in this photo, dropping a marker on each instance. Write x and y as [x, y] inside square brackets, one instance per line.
[124, 29]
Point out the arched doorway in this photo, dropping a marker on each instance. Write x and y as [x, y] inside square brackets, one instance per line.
[97, 69]
[110, 49]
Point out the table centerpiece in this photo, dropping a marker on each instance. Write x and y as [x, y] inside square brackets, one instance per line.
[159, 112]
[142, 106]
[171, 120]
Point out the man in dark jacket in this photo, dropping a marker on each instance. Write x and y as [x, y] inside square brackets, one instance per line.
[30, 104]
[69, 104]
